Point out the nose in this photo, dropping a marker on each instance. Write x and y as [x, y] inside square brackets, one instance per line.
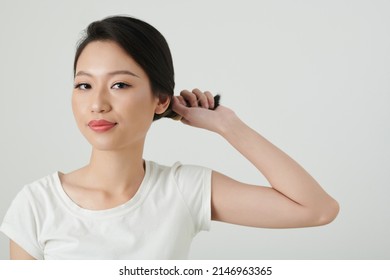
[100, 102]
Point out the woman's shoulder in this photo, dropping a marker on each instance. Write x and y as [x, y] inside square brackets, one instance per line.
[43, 184]
[39, 192]
[174, 167]
[180, 173]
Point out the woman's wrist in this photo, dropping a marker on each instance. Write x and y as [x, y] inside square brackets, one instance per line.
[229, 123]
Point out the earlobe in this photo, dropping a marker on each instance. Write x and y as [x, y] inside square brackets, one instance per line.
[163, 103]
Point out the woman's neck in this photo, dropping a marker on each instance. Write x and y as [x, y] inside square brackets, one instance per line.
[115, 171]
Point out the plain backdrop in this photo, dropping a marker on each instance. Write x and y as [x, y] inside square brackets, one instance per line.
[313, 77]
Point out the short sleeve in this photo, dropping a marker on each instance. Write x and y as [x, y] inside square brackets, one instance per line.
[194, 183]
[20, 225]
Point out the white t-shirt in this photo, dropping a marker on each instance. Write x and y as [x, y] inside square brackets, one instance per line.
[170, 207]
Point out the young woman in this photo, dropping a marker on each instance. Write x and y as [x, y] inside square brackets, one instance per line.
[121, 206]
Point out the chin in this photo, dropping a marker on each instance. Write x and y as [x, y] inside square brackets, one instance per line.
[111, 143]
[104, 144]
[103, 147]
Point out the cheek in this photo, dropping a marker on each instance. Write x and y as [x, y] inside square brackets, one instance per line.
[140, 105]
[136, 115]
[76, 109]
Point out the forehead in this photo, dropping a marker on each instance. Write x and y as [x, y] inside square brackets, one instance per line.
[101, 57]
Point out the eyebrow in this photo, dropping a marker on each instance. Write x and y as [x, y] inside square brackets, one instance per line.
[123, 72]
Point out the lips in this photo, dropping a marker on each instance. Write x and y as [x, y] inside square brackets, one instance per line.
[101, 125]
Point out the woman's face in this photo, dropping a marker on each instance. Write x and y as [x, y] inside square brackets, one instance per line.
[112, 100]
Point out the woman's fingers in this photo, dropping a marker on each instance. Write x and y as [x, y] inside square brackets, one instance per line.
[197, 98]
[201, 97]
[181, 100]
[189, 108]
[190, 98]
[210, 99]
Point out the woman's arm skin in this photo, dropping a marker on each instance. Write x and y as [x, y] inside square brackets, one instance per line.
[18, 253]
[294, 199]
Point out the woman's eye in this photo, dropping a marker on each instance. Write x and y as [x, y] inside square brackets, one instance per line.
[120, 85]
[82, 86]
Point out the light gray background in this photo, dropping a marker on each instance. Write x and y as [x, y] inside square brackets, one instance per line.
[311, 76]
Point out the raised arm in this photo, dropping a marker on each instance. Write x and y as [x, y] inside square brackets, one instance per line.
[294, 198]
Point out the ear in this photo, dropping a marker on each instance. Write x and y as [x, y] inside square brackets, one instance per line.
[162, 104]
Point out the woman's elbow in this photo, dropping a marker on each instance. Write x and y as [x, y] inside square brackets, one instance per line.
[328, 213]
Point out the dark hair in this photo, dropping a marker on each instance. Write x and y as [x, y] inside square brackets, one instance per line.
[144, 43]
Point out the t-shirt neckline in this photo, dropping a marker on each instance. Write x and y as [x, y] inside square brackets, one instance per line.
[132, 203]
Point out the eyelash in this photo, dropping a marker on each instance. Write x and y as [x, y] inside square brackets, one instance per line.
[78, 86]
[87, 86]
[122, 85]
